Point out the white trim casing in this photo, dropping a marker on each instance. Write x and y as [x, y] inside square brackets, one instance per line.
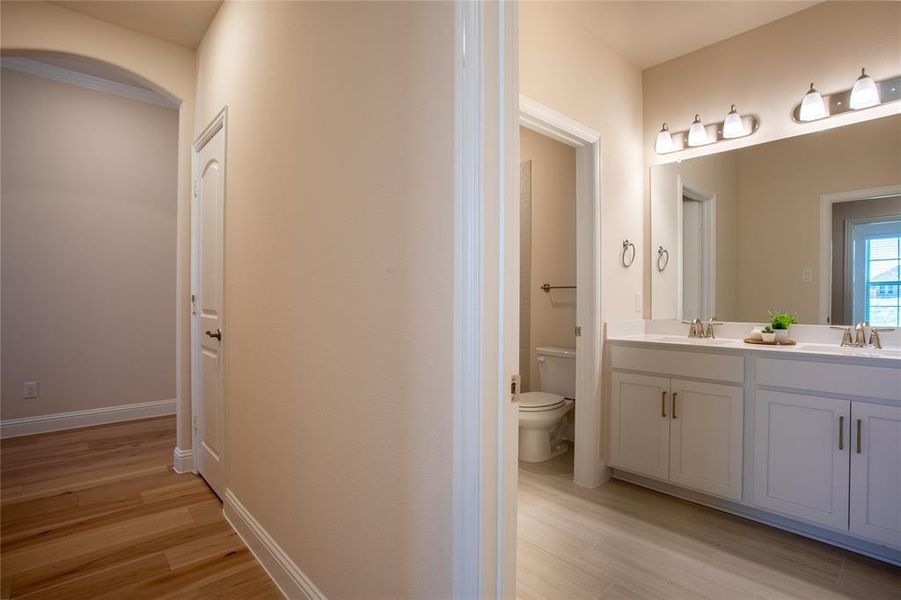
[826, 202]
[98, 84]
[589, 470]
[291, 581]
[85, 418]
[485, 418]
[183, 460]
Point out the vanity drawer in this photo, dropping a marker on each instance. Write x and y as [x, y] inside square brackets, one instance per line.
[678, 363]
[857, 380]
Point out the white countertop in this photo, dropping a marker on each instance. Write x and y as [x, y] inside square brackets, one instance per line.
[889, 356]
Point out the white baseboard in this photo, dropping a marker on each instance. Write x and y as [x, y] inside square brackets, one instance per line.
[183, 460]
[85, 418]
[287, 576]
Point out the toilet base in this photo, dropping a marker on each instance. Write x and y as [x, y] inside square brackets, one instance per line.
[537, 446]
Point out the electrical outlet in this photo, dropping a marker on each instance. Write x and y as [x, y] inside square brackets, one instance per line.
[29, 390]
[638, 306]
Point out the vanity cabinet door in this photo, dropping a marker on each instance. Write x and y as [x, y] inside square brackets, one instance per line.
[639, 424]
[876, 472]
[706, 437]
[801, 456]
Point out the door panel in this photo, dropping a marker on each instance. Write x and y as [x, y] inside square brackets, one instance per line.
[801, 457]
[639, 424]
[876, 472]
[208, 250]
[706, 431]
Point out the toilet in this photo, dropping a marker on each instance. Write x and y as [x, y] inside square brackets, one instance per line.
[541, 413]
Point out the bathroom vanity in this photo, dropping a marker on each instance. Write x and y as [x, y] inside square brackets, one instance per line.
[805, 437]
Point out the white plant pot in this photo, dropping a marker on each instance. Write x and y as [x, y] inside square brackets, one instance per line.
[781, 334]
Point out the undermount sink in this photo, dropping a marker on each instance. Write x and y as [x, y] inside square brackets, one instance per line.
[848, 351]
[698, 341]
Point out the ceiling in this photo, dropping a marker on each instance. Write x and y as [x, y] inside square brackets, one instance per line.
[180, 22]
[652, 32]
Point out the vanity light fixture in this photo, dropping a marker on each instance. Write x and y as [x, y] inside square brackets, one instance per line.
[664, 141]
[864, 94]
[812, 106]
[697, 133]
[733, 126]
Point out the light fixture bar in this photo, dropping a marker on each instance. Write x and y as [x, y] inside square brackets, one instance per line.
[840, 102]
[714, 134]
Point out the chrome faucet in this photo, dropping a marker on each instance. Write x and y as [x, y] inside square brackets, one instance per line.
[846, 336]
[874, 336]
[695, 328]
[699, 329]
[860, 334]
[708, 330]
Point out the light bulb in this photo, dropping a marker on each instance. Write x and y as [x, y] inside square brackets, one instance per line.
[865, 93]
[664, 141]
[812, 106]
[733, 127]
[697, 133]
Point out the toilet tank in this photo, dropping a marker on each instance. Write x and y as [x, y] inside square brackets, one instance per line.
[557, 370]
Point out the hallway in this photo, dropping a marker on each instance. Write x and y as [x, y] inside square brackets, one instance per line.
[99, 513]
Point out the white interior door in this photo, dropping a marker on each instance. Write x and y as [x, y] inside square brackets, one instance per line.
[207, 338]
[876, 472]
[691, 259]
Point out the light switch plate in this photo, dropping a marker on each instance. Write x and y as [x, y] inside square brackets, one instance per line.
[807, 275]
[29, 390]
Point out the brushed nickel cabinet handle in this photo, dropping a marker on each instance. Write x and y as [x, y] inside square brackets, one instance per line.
[858, 436]
[674, 404]
[841, 433]
[663, 404]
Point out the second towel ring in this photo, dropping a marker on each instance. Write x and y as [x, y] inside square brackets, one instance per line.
[662, 254]
[627, 246]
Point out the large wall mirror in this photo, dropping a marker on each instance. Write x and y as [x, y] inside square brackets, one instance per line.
[809, 225]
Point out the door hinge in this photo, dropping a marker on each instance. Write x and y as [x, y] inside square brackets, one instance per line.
[578, 331]
[515, 387]
[194, 188]
[194, 422]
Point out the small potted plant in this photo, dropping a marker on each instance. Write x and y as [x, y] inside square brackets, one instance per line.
[780, 322]
[767, 335]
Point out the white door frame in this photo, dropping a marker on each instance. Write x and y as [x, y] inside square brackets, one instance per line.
[219, 122]
[485, 413]
[587, 143]
[707, 199]
[826, 202]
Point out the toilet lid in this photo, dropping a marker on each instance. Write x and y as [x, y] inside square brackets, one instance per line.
[539, 401]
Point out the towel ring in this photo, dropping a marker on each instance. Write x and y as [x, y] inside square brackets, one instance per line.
[627, 245]
[662, 253]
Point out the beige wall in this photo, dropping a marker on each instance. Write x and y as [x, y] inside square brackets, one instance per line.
[566, 68]
[88, 247]
[43, 26]
[767, 71]
[339, 263]
[781, 184]
[552, 317]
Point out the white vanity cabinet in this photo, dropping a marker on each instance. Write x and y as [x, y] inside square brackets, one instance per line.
[801, 454]
[682, 431]
[827, 460]
[875, 511]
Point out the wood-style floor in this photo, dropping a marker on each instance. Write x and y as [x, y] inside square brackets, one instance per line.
[99, 513]
[623, 541]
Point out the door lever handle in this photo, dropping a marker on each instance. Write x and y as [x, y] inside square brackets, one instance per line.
[217, 335]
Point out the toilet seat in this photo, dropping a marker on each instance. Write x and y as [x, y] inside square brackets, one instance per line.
[539, 401]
